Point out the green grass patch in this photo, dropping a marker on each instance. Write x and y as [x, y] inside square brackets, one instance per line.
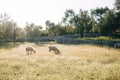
[101, 38]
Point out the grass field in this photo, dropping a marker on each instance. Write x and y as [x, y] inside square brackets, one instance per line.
[77, 62]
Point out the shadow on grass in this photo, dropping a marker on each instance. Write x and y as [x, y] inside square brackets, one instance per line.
[9, 45]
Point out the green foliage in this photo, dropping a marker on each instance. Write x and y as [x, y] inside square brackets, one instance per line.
[105, 22]
[117, 5]
[98, 13]
[9, 31]
[108, 24]
[81, 21]
[33, 30]
[69, 16]
[117, 14]
[100, 38]
[57, 29]
[100, 20]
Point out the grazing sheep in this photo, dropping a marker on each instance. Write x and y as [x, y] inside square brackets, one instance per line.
[55, 49]
[117, 45]
[30, 49]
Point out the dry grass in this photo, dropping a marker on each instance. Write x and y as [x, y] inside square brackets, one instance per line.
[77, 62]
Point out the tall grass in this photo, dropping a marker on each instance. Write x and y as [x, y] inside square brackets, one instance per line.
[77, 62]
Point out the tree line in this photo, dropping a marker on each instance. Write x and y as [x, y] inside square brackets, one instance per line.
[104, 21]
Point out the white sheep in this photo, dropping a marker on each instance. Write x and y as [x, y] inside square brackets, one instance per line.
[55, 49]
[29, 50]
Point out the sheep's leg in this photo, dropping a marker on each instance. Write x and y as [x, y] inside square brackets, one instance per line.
[49, 50]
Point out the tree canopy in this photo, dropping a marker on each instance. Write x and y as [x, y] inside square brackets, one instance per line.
[101, 20]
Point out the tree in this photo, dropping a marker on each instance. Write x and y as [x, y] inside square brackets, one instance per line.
[108, 27]
[69, 29]
[33, 30]
[117, 15]
[20, 33]
[99, 13]
[81, 21]
[50, 27]
[69, 16]
[95, 27]
[4, 18]
[37, 31]
[7, 28]
[117, 5]
[100, 16]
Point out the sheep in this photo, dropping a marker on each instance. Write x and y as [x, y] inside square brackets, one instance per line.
[55, 49]
[30, 49]
[117, 45]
